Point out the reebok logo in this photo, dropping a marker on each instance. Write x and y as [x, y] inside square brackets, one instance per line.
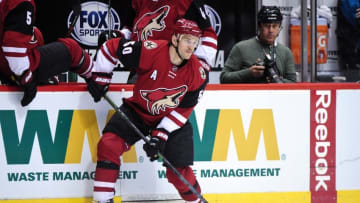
[322, 146]
[322, 143]
[103, 80]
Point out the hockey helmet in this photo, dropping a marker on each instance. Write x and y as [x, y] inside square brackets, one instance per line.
[269, 14]
[184, 26]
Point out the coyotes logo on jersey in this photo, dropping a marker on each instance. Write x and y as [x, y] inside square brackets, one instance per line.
[161, 98]
[149, 22]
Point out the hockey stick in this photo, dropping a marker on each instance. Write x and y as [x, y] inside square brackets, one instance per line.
[107, 37]
[72, 25]
[76, 7]
[72, 76]
[146, 140]
[109, 19]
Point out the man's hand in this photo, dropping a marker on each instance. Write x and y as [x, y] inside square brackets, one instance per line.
[257, 70]
[157, 144]
[29, 85]
[98, 84]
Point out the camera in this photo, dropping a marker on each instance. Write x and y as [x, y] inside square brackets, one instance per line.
[270, 71]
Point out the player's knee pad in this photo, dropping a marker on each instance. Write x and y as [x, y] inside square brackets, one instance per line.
[181, 187]
[111, 147]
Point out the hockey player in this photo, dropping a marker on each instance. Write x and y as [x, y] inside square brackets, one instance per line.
[24, 59]
[171, 80]
[154, 20]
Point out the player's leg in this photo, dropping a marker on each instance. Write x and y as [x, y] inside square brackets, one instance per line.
[109, 150]
[55, 58]
[116, 139]
[180, 153]
[81, 62]
[185, 193]
[62, 56]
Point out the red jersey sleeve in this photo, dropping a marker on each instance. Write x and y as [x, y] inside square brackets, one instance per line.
[138, 55]
[18, 41]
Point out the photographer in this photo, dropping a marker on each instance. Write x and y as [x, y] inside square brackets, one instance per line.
[261, 59]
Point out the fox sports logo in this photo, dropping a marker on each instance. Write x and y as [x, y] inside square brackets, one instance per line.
[93, 20]
[215, 19]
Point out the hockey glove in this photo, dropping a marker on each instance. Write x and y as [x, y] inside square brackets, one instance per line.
[157, 144]
[28, 83]
[98, 84]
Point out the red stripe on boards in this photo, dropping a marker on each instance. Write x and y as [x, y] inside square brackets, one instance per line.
[323, 146]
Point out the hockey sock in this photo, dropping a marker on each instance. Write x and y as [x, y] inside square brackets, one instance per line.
[110, 148]
[185, 193]
[81, 62]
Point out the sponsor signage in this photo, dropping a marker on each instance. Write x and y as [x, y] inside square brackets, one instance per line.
[246, 141]
[93, 20]
[52, 146]
[323, 146]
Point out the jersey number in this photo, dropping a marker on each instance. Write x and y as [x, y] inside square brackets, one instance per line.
[28, 18]
[128, 49]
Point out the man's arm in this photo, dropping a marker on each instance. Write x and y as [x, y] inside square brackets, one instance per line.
[349, 10]
[111, 53]
[179, 116]
[115, 51]
[290, 71]
[17, 42]
[208, 48]
[233, 71]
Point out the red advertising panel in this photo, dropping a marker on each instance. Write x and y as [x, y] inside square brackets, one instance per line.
[323, 146]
